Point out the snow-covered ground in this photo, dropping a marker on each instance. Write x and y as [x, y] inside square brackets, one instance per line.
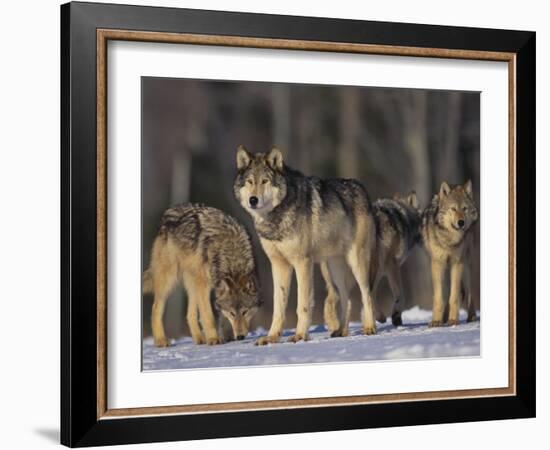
[413, 340]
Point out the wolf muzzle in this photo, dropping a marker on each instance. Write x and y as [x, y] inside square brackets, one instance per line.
[253, 201]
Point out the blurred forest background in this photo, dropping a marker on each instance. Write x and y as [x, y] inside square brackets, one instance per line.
[392, 140]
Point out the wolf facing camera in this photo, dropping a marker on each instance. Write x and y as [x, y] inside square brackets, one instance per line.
[303, 220]
[448, 237]
[208, 251]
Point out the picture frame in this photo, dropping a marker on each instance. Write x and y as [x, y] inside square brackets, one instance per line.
[86, 418]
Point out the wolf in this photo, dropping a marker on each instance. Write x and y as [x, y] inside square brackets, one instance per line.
[209, 252]
[302, 220]
[448, 237]
[397, 230]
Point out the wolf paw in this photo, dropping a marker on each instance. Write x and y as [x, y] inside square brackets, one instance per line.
[381, 318]
[214, 341]
[297, 337]
[472, 318]
[332, 325]
[367, 331]
[452, 322]
[396, 320]
[339, 333]
[436, 323]
[199, 340]
[264, 340]
[162, 342]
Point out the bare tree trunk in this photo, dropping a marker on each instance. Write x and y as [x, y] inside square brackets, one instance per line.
[281, 116]
[350, 128]
[305, 129]
[416, 144]
[181, 177]
[451, 166]
[415, 115]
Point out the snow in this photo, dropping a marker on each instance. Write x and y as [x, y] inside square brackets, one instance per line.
[412, 340]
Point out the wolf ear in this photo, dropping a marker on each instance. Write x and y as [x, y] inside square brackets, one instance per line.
[275, 159]
[250, 286]
[468, 188]
[444, 190]
[223, 288]
[412, 200]
[243, 158]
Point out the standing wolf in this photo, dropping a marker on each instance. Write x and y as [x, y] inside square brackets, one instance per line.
[447, 234]
[303, 220]
[397, 231]
[207, 250]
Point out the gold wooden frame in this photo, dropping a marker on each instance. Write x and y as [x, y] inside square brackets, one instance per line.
[104, 35]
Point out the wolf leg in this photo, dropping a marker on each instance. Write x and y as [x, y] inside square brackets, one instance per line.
[438, 273]
[359, 261]
[396, 286]
[282, 274]
[331, 301]
[457, 269]
[164, 281]
[339, 272]
[472, 315]
[199, 288]
[467, 294]
[193, 311]
[446, 313]
[304, 277]
[193, 322]
[378, 312]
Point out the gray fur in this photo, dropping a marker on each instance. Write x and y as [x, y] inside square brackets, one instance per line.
[298, 195]
[209, 252]
[224, 242]
[448, 237]
[397, 224]
[397, 232]
[302, 220]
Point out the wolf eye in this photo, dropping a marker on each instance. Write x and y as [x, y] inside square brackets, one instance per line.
[244, 311]
[249, 181]
[264, 181]
[465, 208]
[453, 208]
[232, 313]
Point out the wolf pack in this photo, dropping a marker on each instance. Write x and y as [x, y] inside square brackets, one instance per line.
[302, 221]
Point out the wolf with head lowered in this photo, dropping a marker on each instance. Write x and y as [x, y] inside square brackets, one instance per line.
[209, 252]
[448, 237]
[303, 220]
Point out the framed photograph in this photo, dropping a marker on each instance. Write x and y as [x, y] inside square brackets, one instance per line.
[277, 224]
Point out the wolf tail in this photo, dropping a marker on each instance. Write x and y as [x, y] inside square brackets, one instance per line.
[147, 282]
